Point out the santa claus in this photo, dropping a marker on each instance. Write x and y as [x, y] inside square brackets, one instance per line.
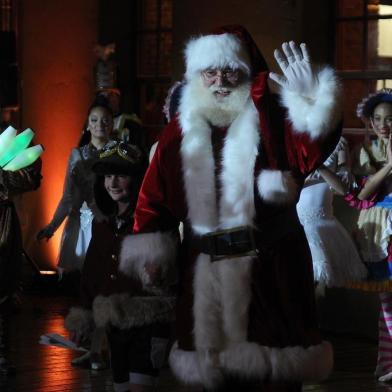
[230, 166]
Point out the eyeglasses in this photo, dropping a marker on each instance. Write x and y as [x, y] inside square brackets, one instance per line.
[232, 75]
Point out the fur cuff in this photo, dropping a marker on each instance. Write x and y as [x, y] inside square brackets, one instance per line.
[139, 249]
[125, 312]
[280, 364]
[79, 321]
[314, 363]
[319, 114]
[195, 369]
[277, 186]
[250, 360]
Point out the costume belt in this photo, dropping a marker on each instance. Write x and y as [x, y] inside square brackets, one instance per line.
[244, 240]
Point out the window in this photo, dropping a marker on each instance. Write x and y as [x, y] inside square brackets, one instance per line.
[154, 46]
[363, 50]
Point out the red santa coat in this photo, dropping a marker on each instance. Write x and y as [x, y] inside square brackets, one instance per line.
[250, 316]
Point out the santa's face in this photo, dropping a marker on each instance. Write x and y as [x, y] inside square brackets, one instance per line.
[222, 81]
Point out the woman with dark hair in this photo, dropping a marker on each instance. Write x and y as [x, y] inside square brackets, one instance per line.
[135, 316]
[372, 166]
[77, 202]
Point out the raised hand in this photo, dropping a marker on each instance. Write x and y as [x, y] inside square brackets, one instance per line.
[298, 75]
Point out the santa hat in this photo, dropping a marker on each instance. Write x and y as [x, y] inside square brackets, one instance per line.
[229, 46]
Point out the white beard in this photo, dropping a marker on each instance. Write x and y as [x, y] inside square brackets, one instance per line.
[219, 112]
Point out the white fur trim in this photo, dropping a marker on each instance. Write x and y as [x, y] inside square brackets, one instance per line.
[238, 160]
[215, 51]
[220, 314]
[320, 114]
[218, 322]
[152, 151]
[251, 360]
[198, 165]
[207, 305]
[193, 368]
[237, 177]
[138, 249]
[297, 363]
[276, 186]
[235, 277]
[125, 312]
[79, 321]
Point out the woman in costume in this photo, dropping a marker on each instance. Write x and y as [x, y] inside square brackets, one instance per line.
[335, 258]
[372, 165]
[77, 202]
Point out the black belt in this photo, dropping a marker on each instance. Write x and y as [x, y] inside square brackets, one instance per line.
[244, 240]
[222, 244]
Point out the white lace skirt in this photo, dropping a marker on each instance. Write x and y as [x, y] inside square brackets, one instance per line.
[335, 258]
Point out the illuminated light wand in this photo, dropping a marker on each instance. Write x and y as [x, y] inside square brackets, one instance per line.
[14, 154]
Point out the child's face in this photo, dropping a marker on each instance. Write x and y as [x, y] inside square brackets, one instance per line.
[118, 187]
[382, 120]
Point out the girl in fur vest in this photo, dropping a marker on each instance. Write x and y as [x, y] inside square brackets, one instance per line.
[136, 316]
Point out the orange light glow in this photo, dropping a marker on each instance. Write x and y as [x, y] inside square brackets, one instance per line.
[48, 272]
[46, 356]
[57, 72]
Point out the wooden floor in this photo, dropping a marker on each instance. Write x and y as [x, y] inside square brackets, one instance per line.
[47, 369]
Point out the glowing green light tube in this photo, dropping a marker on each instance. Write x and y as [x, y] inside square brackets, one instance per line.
[19, 143]
[24, 158]
[6, 138]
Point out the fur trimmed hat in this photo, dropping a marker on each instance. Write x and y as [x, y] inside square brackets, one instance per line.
[228, 46]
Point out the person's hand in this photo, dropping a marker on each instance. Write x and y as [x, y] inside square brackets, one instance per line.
[46, 232]
[298, 75]
[389, 150]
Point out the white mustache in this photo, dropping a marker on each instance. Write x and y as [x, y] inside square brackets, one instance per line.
[220, 89]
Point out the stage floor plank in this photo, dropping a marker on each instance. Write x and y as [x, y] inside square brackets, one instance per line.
[42, 368]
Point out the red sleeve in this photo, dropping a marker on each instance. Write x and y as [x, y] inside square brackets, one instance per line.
[306, 154]
[160, 204]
